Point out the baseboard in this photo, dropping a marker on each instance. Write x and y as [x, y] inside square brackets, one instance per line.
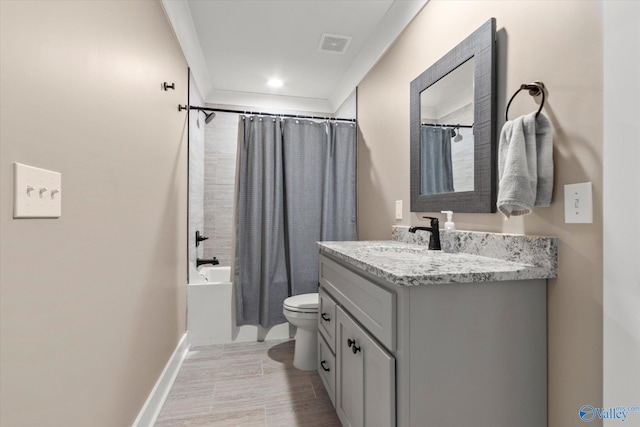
[151, 409]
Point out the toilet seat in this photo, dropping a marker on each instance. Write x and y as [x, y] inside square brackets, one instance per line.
[304, 303]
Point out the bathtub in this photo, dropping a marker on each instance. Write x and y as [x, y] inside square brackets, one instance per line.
[217, 275]
[211, 311]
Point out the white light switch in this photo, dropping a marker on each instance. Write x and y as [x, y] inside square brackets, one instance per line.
[578, 203]
[37, 192]
[398, 209]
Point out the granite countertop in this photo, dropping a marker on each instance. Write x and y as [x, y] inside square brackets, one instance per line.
[407, 264]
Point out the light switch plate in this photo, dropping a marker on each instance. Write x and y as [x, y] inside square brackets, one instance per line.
[578, 203]
[37, 192]
[398, 209]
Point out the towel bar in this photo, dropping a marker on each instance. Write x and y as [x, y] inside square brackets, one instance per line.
[535, 89]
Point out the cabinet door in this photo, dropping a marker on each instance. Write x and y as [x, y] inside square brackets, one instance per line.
[366, 377]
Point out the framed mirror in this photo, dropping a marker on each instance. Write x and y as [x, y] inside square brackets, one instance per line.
[453, 129]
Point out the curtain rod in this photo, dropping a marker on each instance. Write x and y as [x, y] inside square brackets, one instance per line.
[450, 126]
[293, 116]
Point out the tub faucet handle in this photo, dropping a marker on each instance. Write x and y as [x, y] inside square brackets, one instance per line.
[200, 238]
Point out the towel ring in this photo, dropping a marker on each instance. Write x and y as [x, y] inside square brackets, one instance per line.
[535, 89]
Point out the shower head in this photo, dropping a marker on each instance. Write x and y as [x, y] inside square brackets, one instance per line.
[458, 136]
[209, 117]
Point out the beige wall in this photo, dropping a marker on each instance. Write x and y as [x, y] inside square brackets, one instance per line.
[93, 303]
[559, 43]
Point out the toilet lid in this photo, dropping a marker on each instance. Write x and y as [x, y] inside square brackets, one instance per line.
[304, 302]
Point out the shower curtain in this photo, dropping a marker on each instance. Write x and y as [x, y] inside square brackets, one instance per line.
[435, 160]
[296, 186]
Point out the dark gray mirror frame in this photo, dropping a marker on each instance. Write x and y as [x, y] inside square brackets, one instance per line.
[481, 46]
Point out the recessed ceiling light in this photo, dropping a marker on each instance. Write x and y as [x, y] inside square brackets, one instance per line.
[275, 83]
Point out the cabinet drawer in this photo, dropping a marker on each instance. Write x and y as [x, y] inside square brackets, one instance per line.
[327, 368]
[327, 318]
[371, 305]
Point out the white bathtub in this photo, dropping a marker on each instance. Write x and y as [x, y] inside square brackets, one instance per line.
[216, 274]
[211, 311]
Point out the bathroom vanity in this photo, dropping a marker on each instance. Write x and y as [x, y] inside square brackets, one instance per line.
[414, 337]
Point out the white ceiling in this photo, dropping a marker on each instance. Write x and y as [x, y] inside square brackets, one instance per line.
[235, 46]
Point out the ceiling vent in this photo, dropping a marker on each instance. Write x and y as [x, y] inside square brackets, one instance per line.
[333, 43]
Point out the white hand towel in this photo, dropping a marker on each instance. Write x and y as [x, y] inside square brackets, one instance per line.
[544, 150]
[525, 165]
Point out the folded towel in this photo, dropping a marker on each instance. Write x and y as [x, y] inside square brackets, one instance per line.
[525, 165]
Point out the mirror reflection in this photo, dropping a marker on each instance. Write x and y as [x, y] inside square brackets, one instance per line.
[446, 133]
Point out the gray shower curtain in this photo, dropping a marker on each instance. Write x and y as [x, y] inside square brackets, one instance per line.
[296, 186]
[435, 160]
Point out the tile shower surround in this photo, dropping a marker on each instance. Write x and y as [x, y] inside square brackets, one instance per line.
[196, 174]
[246, 384]
[220, 147]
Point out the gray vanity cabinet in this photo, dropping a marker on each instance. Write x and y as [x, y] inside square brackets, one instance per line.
[439, 354]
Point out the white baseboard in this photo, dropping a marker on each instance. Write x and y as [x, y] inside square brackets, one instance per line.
[151, 408]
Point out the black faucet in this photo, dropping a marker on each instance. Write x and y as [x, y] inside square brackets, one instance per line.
[434, 239]
[213, 261]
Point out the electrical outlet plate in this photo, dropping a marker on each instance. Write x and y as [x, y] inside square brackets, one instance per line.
[37, 192]
[578, 203]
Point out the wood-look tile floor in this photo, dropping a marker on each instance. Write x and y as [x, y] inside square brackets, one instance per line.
[246, 384]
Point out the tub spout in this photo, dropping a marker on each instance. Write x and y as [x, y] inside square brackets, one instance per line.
[213, 261]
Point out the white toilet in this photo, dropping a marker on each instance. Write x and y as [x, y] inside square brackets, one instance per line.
[302, 312]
